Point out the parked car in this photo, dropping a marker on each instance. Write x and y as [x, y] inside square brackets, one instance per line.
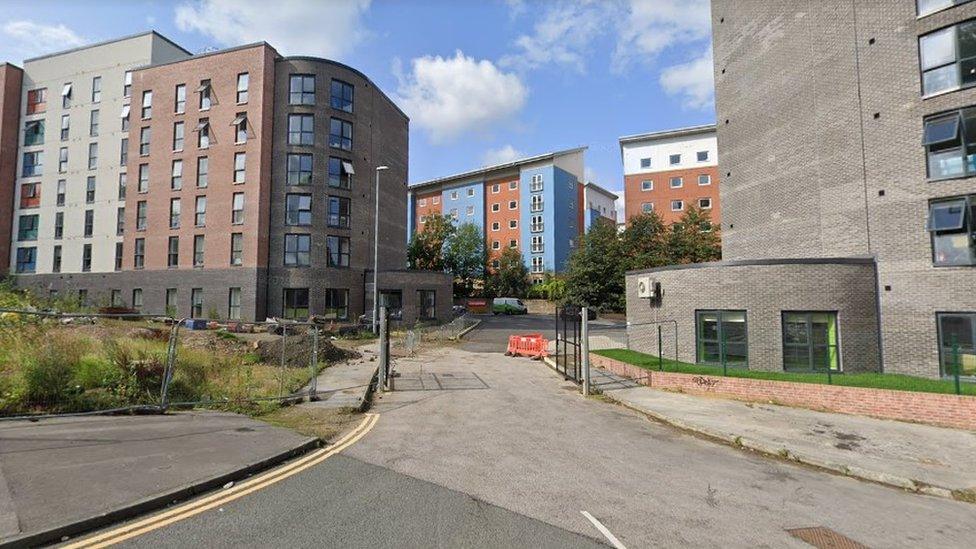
[508, 306]
[459, 310]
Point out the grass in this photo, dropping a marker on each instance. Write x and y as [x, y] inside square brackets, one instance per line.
[324, 423]
[896, 382]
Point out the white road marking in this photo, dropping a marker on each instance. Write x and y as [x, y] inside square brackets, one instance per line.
[603, 530]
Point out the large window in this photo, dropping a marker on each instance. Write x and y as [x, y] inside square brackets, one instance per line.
[26, 260]
[299, 169]
[340, 173]
[234, 304]
[947, 58]
[196, 302]
[340, 134]
[301, 129]
[173, 252]
[298, 250]
[295, 303]
[336, 304]
[950, 144]
[337, 250]
[301, 89]
[34, 133]
[957, 343]
[342, 95]
[953, 231]
[426, 304]
[27, 227]
[298, 209]
[810, 342]
[37, 101]
[722, 338]
[32, 163]
[338, 212]
[925, 7]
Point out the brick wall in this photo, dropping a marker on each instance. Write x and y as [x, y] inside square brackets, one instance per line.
[10, 83]
[662, 194]
[936, 409]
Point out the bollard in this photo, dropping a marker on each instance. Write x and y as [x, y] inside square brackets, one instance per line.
[384, 350]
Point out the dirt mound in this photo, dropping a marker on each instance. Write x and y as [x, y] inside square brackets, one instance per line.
[298, 351]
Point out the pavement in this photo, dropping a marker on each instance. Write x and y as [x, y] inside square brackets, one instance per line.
[347, 384]
[58, 476]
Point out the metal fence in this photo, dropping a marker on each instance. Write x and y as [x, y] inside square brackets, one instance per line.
[411, 340]
[56, 364]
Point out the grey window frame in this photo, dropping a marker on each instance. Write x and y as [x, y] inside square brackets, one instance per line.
[237, 214]
[720, 331]
[337, 251]
[173, 252]
[966, 225]
[292, 247]
[296, 214]
[336, 304]
[234, 303]
[342, 103]
[86, 258]
[203, 172]
[302, 135]
[340, 215]
[26, 261]
[299, 168]
[945, 347]
[289, 309]
[303, 95]
[196, 302]
[139, 253]
[199, 246]
[340, 140]
[809, 345]
[236, 249]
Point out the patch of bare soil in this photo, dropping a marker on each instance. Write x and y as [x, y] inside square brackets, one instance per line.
[298, 351]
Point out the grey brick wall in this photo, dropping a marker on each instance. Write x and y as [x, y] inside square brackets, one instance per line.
[764, 290]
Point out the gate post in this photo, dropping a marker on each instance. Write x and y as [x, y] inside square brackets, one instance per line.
[585, 348]
[384, 350]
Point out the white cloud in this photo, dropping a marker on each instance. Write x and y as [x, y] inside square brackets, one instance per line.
[449, 96]
[516, 8]
[562, 36]
[650, 26]
[25, 39]
[693, 82]
[294, 27]
[501, 155]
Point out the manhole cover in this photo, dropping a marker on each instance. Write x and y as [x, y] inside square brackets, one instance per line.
[825, 538]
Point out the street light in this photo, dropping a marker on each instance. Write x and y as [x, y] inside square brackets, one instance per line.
[376, 250]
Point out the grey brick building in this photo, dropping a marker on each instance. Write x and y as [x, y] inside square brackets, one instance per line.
[848, 226]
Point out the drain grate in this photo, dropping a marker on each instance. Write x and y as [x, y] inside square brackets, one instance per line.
[824, 538]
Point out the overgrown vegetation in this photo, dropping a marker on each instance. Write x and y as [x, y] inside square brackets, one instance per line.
[895, 382]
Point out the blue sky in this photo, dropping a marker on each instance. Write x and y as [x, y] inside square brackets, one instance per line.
[483, 81]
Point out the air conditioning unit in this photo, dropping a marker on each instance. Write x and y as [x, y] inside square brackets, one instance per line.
[646, 287]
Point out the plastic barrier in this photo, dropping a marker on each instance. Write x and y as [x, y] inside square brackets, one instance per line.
[530, 345]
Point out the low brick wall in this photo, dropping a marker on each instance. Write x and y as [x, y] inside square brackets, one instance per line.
[540, 306]
[935, 409]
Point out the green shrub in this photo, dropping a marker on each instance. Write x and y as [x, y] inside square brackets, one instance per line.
[97, 372]
[49, 373]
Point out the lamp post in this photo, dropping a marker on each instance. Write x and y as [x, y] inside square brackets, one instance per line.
[376, 248]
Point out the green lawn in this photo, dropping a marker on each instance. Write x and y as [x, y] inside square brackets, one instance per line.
[877, 381]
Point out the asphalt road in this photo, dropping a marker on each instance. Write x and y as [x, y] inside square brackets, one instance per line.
[492, 335]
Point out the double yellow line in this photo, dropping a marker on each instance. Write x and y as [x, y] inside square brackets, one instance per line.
[196, 507]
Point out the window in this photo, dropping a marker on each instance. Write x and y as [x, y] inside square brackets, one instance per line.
[722, 338]
[496, 188]
[496, 207]
[96, 95]
[26, 260]
[116, 298]
[147, 104]
[454, 195]
[645, 163]
[66, 96]
[243, 80]
[298, 249]
[513, 204]
[340, 134]
[422, 202]
[200, 211]
[957, 343]
[139, 254]
[27, 227]
[301, 89]
[513, 243]
[123, 151]
[240, 167]
[538, 246]
[143, 186]
[469, 211]
[237, 209]
[496, 226]
[513, 223]
[470, 191]
[340, 173]
[30, 195]
[62, 189]
[118, 256]
[337, 250]
[240, 128]
[171, 307]
[58, 225]
[173, 252]
[196, 302]
[141, 215]
[702, 156]
[647, 207]
[535, 203]
[426, 304]
[677, 205]
[925, 7]
[137, 298]
[90, 190]
[37, 101]
[125, 117]
[454, 214]
[423, 219]
[93, 123]
[704, 179]
[676, 182]
[204, 90]
[950, 144]
[32, 163]
[203, 165]
[496, 245]
[295, 303]
[176, 179]
[89, 223]
[299, 168]
[496, 264]
[536, 183]
[342, 96]
[203, 133]
[237, 249]
[56, 260]
[62, 161]
[647, 185]
[951, 225]
[810, 342]
[338, 212]
[298, 209]
[705, 203]
[536, 224]
[86, 258]
[122, 181]
[65, 127]
[512, 185]
[174, 213]
[538, 264]
[92, 156]
[178, 134]
[947, 58]
[180, 104]
[674, 159]
[435, 200]
[301, 129]
[34, 133]
[145, 135]
[234, 303]
[336, 304]
[127, 84]
[198, 243]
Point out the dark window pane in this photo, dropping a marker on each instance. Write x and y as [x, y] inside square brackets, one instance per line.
[947, 216]
[943, 78]
[941, 130]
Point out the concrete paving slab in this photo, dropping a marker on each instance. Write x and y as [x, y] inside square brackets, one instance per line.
[347, 385]
[72, 474]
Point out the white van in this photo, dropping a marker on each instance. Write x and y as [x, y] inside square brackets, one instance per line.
[508, 306]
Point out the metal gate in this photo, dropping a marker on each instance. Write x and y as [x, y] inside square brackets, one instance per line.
[568, 356]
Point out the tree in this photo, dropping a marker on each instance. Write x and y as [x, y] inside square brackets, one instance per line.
[464, 255]
[552, 288]
[645, 242]
[693, 239]
[426, 249]
[511, 279]
[595, 275]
